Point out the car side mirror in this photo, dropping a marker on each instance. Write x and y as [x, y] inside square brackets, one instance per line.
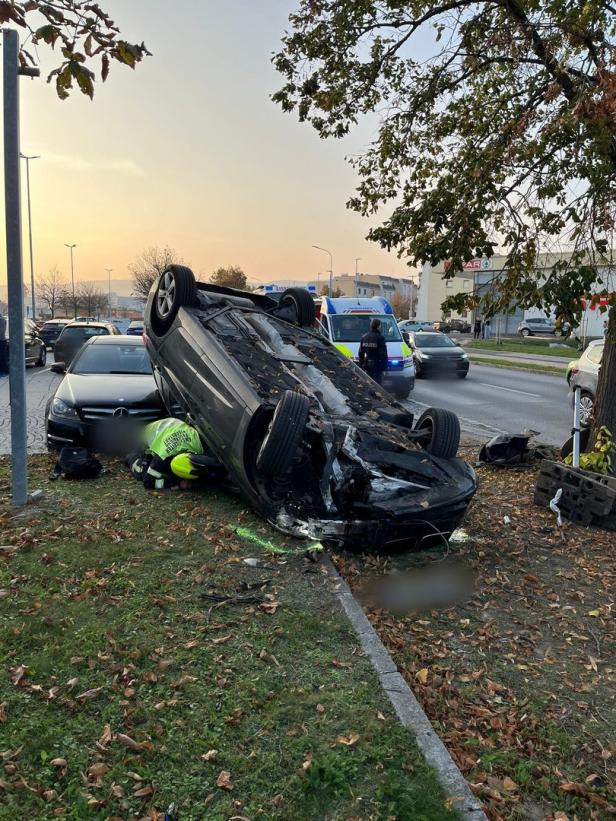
[58, 367]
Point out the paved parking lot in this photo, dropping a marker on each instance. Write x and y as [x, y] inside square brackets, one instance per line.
[40, 384]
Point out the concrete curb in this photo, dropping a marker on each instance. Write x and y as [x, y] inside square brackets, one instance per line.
[406, 706]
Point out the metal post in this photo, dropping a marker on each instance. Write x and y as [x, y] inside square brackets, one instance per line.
[331, 268]
[357, 259]
[109, 270]
[576, 426]
[14, 269]
[70, 247]
[27, 159]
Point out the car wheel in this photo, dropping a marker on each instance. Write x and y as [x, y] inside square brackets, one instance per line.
[303, 303]
[525, 332]
[587, 405]
[42, 360]
[284, 434]
[442, 428]
[175, 288]
[463, 375]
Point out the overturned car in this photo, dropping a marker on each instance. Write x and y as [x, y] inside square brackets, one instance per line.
[314, 444]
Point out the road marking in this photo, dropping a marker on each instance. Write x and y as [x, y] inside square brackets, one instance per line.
[511, 390]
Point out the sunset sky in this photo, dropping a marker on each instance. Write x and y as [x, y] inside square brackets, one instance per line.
[189, 151]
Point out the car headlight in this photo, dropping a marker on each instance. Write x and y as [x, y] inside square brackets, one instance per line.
[60, 408]
[423, 355]
[464, 356]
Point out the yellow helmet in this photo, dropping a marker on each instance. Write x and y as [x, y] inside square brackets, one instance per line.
[182, 467]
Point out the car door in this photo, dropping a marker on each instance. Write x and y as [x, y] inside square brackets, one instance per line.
[31, 342]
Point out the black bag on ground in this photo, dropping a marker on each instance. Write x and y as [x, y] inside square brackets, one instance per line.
[76, 463]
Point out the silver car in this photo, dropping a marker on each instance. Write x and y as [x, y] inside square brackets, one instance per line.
[585, 375]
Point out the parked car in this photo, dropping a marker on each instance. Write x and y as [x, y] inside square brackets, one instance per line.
[135, 328]
[448, 326]
[108, 384]
[75, 334]
[316, 447]
[51, 330]
[585, 374]
[85, 319]
[435, 354]
[413, 325]
[537, 325]
[36, 351]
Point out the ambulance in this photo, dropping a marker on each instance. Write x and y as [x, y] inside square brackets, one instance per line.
[345, 320]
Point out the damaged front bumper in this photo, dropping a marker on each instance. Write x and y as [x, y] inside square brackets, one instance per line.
[411, 521]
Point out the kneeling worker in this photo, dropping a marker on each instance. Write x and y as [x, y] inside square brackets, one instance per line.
[172, 456]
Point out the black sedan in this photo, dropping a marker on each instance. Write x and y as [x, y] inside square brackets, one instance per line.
[35, 349]
[317, 447]
[108, 390]
[75, 334]
[435, 354]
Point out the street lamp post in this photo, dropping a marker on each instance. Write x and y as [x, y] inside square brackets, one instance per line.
[331, 267]
[27, 159]
[357, 259]
[70, 247]
[109, 270]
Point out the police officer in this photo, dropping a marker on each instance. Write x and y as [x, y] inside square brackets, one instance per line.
[373, 352]
[172, 456]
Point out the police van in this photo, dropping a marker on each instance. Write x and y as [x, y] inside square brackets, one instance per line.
[345, 320]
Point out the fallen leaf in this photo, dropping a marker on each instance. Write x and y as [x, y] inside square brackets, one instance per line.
[60, 765]
[349, 740]
[422, 675]
[18, 673]
[320, 709]
[224, 781]
[132, 744]
[222, 639]
[593, 613]
[143, 792]
[341, 664]
[509, 784]
[117, 790]
[71, 683]
[105, 738]
[307, 762]
[182, 681]
[269, 607]
[380, 716]
[210, 755]
[3, 712]
[87, 694]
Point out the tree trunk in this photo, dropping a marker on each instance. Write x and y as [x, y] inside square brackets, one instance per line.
[605, 405]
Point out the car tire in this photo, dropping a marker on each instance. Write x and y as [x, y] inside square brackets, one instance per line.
[463, 375]
[525, 332]
[284, 434]
[42, 360]
[587, 406]
[175, 289]
[442, 432]
[303, 302]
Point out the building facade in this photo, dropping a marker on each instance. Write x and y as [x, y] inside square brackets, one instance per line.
[481, 275]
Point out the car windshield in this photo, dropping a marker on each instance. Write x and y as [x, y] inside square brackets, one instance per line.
[433, 341]
[78, 334]
[351, 327]
[113, 359]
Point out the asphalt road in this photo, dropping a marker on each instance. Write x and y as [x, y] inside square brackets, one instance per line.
[488, 400]
[503, 400]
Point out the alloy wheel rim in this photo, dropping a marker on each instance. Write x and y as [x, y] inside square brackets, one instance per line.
[165, 296]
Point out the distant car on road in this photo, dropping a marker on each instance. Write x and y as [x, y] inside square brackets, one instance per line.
[108, 386]
[85, 319]
[408, 326]
[447, 326]
[75, 334]
[135, 328]
[585, 374]
[36, 350]
[435, 354]
[537, 325]
[51, 330]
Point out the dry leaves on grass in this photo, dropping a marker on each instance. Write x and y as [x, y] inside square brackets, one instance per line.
[224, 781]
[348, 740]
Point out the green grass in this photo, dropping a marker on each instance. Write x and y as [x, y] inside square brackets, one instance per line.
[518, 365]
[528, 346]
[106, 590]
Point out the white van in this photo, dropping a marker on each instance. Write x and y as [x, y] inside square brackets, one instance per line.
[345, 320]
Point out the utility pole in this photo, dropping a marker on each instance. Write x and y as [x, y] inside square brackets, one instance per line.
[70, 247]
[357, 259]
[27, 159]
[109, 270]
[14, 264]
[331, 268]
